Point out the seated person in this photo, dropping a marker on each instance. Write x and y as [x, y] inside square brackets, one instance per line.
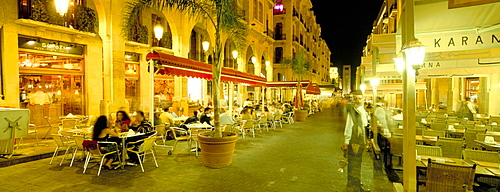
[141, 124]
[170, 110]
[246, 114]
[158, 120]
[122, 121]
[398, 116]
[205, 116]
[192, 119]
[102, 132]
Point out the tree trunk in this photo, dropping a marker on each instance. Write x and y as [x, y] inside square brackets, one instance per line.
[216, 72]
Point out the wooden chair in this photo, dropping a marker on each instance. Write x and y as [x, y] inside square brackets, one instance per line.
[451, 148]
[449, 177]
[487, 156]
[469, 138]
[438, 126]
[435, 151]
[397, 147]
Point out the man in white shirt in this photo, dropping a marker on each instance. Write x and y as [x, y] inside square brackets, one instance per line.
[171, 112]
[355, 139]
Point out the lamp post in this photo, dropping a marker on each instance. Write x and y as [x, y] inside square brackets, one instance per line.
[235, 56]
[413, 56]
[158, 32]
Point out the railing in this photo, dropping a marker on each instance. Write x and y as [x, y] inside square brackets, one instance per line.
[280, 37]
[78, 17]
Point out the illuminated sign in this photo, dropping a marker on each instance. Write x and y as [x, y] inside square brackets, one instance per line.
[49, 46]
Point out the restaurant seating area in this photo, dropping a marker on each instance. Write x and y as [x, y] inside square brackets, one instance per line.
[452, 143]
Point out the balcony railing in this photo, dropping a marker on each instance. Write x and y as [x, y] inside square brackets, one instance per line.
[280, 36]
[78, 16]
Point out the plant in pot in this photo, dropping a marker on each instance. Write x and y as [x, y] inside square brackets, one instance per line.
[300, 66]
[217, 147]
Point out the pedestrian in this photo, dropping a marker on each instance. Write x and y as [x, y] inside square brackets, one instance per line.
[354, 140]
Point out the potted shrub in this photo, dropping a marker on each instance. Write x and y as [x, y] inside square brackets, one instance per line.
[300, 67]
[224, 17]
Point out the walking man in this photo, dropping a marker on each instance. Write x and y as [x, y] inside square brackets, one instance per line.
[354, 140]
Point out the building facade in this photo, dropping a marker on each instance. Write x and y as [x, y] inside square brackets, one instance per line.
[461, 59]
[295, 29]
[84, 62]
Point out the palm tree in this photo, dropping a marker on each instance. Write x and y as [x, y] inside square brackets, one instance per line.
[222, 14]
[300, 66]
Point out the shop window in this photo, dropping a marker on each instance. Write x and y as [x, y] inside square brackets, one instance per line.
[164, 91]
[51, 95]
[40, 61]
[132, 82]
[472, 88]
[278, 54]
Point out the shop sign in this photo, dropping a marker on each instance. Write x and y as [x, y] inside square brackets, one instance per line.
[49, 46]
[132, 57]
[456, 42]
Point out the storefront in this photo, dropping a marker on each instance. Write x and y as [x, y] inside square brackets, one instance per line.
[51, 78]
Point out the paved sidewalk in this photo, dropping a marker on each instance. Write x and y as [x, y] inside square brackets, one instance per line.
[300, 157]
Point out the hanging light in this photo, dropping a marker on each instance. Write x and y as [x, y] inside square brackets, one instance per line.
[254, 59]
[158, 30]
[76, 92]
[205, 45]
[399, 62]
[61, 6]
[235, 54]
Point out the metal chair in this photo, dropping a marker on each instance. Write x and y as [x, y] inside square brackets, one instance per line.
[435, 151]
[78, 146]
[186, 137]
[449, 177]
[146, 146]
[61, 142]
[50, 126]
[194, 137]
[451, 148]
[93, 148]
[278, 119]
[248, 125]
[263, 122]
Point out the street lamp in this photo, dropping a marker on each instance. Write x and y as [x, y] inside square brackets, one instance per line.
[158, 30]
[235, 56]
[268, 63]
[254, 59]
[205, 45]
[61, 6]
[399, 62]
[363, 88]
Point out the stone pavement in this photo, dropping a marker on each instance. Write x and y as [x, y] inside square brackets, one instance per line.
[300, 157]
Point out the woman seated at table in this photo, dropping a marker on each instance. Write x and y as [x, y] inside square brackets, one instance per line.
[246, 114]
[102, 132]
[122, 121]
[141, 124]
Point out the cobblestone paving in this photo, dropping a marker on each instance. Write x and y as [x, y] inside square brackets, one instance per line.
[300, 157]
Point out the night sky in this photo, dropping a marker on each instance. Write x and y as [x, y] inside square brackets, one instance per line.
[345, 26]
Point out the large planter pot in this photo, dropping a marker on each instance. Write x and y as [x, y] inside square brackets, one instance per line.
[300, 115]
[217, 152]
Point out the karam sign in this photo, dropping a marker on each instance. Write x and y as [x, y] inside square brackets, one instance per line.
[457, 42]
[49, 46]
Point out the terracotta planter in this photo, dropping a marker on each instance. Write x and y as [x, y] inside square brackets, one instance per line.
[300, 115]
[217, 152]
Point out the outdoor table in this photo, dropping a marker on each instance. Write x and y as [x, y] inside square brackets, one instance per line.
[124, 137]
[198, 126]
[180, 119]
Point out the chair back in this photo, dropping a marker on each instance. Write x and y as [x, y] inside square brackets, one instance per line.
[172, 129]
[60, 140]
[92, 147]
[195, 132]
[160, 129]
[429, 150]
[49, 121]
[470, 139]
[69, 123]
[79, 142]
[263, 119]
[449, 177]
[397, 145]
[148, 144]
[451, 148]
[247, 124]
[438, 126]
[487, 156]
[433, 133]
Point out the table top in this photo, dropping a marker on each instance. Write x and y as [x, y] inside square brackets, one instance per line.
[181, 118]
[78, 131]
[198, 125]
